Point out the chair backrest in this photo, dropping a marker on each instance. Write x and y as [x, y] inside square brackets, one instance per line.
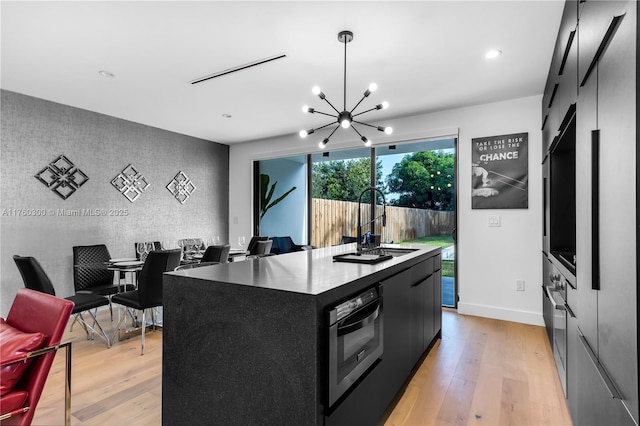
[251, 247]
[347, 239]
[33, 275]
[286, 244]
[263, 247]
[150, 279]
[87, 267]
[217, 254]
[33, 311]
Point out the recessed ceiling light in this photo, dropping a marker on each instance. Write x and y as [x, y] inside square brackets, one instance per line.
[107, 74]
[493, 54]
[226, 115]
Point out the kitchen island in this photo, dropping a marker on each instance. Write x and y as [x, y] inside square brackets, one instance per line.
[247, 342]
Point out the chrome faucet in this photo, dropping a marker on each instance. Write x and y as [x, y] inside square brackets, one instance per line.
[384, 216]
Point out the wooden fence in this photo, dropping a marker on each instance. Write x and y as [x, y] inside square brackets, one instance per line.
[333, 219]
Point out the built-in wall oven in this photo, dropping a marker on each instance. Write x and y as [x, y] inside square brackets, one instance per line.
[355, 340]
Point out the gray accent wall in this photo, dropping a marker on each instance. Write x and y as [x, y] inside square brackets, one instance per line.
[35, 132]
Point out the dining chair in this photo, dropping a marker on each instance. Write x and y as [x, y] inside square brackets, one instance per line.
[252, 246]
[262, 249]
[149, 292]
[217, 254]
[90, 274]
[35, 278]
[25, 368]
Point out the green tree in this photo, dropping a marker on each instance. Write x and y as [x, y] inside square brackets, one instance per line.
[344, 180]
[423, 180]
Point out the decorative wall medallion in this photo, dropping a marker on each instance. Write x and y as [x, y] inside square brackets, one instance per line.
[62, 177]
[181, 187]
[130, 183]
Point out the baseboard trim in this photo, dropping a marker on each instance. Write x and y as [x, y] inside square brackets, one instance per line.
[533, 318]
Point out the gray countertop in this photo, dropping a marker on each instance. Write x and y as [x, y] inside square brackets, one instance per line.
[309, 272]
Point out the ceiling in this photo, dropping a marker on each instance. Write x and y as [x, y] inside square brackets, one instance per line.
[424, 56]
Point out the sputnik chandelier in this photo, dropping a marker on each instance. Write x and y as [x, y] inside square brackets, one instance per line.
[345, 119]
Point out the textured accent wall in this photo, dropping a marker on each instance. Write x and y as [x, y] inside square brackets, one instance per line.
[35, 132]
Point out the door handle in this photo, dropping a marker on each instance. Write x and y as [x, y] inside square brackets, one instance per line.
[611, 387]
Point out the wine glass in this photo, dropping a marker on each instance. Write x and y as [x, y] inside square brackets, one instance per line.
[166, 245]
[216, 240]
[140, 249]
[150, 246]
[241, 241]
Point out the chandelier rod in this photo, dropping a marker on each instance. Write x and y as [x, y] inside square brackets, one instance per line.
[345, 73]
[365, 124]
[360, 113]
[324, 113]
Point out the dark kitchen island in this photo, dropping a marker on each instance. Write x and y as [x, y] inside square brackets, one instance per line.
[247, 342]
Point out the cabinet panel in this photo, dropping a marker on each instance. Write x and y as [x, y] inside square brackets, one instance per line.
[437, 301]
[595, 19]
[396, 360]
[586, 121]
[617, 298]
[572, 366]
[418, 292]
[594, 402]
[428, 312]
[366, 394]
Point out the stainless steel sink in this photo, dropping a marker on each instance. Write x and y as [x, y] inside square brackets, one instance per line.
[398, 251]
[371, 257]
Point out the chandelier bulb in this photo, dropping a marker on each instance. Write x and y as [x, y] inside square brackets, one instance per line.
[385, 105]
[373, 87]
[345, 124]
[316, 91]
[388, 130]
[323, 143]
[305, 133]
[307, 109]
[366, 141]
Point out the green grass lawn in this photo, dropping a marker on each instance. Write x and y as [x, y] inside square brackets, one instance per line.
[439, 241]
[433, 240]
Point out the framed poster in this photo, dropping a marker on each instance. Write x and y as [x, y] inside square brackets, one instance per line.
[500, 172]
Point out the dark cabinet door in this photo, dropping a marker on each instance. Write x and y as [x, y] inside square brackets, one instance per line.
[427, 314]
[566, 56]
[586, 122]
[595, 404]
[418, 292]
[437, 300]
[596, 17]
[617, 298]
[572, 365]
[396, 359]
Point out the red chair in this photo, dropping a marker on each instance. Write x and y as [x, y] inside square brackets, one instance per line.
[34, 312]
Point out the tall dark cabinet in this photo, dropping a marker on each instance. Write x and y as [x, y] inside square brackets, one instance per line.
[592, 91]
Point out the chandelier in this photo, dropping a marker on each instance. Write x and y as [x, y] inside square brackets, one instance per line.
[345, 118]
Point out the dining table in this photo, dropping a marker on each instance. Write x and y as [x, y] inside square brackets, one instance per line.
[128, 266]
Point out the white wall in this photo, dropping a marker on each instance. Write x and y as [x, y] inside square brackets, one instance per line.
[490, 260]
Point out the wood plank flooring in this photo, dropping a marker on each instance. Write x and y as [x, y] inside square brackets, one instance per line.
[482, 372]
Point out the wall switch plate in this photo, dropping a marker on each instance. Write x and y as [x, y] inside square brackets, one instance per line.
[494, 221]
[520, 285]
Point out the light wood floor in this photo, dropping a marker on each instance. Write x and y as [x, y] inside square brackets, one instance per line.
[482, 372]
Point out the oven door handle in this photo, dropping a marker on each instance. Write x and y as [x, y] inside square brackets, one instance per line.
[553, 302]
[359, 319]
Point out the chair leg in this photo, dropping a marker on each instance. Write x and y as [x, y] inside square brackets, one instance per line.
[144, 327]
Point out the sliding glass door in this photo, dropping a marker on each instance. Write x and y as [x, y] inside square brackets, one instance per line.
[315, 198]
